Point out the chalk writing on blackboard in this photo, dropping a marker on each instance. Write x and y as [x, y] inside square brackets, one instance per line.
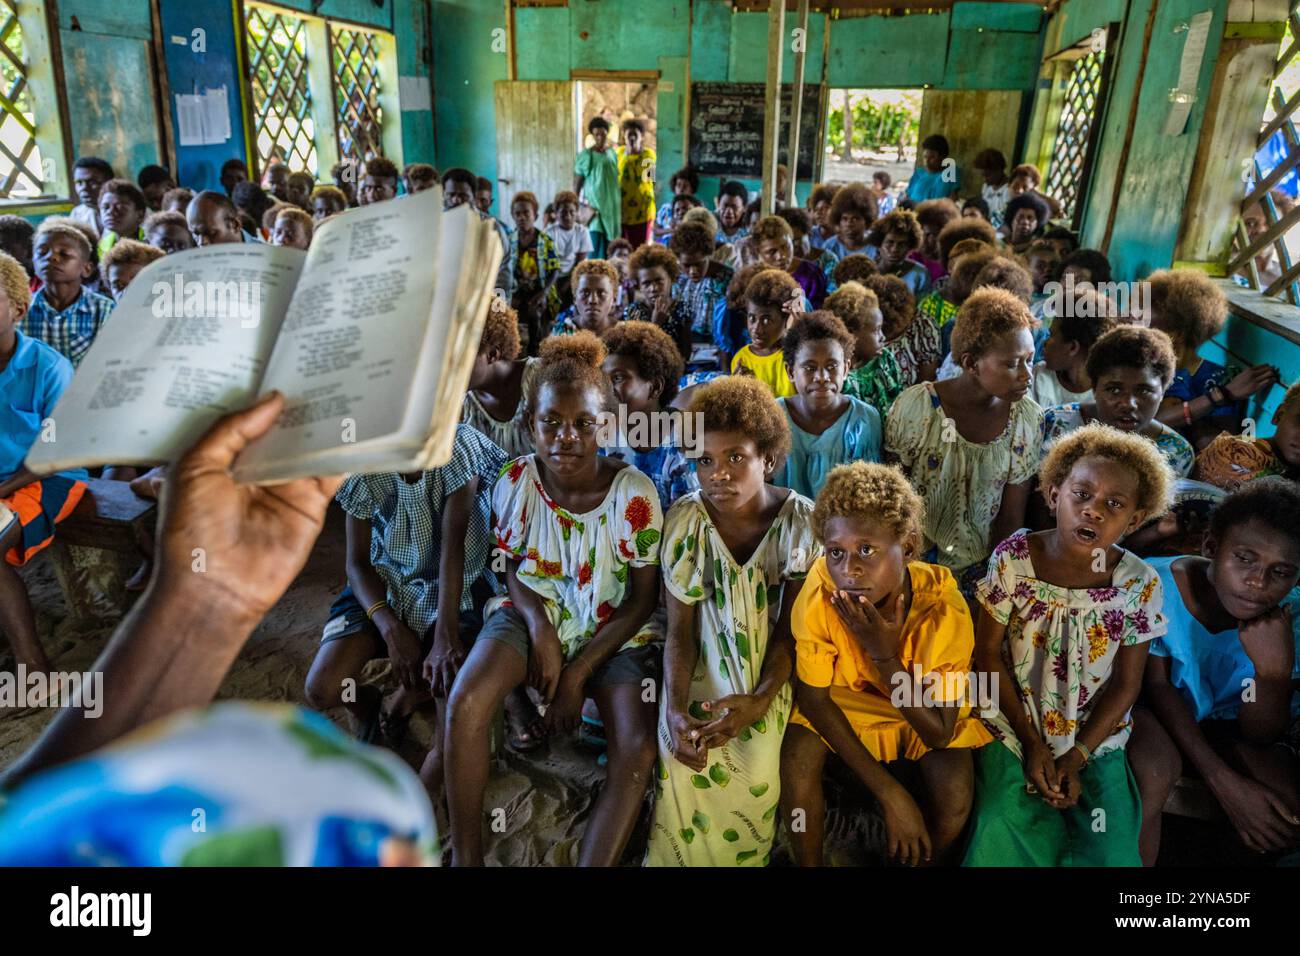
[727, 128]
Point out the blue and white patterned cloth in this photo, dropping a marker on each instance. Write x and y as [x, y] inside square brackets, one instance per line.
[71, 331]
[406, 525]
[666, 465]
[237, 784]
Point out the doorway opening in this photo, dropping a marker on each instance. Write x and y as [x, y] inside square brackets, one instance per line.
[870, 130]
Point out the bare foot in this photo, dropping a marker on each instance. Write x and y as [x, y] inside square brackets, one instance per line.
[525, 730]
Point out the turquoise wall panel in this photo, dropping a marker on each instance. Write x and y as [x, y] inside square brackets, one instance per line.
[888, 51]
[542, 44]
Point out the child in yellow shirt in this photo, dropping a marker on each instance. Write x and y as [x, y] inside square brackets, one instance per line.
[771, 299]
[883, 648]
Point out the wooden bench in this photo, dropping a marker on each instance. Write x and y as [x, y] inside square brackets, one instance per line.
[96, 548]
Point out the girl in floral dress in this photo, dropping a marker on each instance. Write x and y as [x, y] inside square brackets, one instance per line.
[1065, 620]
[735, 554]
[581, 531]
[970, 445]
[912, 338]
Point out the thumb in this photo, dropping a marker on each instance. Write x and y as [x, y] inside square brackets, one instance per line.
[722, 703]
[231, 434]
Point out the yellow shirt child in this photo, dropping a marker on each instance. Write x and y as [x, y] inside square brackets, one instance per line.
[938, 640]
[768, 369]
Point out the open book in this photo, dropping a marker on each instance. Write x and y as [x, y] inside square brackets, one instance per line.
[370, 336]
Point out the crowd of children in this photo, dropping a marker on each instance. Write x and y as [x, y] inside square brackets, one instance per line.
[912, 509]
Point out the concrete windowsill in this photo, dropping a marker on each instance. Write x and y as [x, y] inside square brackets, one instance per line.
[1275, 315]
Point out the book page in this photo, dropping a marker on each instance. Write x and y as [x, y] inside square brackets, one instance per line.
[187, 344]
[352, 337]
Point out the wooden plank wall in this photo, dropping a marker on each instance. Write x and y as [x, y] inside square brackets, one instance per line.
[535, 139]
[972, 120]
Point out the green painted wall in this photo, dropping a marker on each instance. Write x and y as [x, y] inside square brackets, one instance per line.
[468, 58]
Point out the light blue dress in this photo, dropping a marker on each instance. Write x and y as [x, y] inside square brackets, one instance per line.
[855, 437]
[1210, 670]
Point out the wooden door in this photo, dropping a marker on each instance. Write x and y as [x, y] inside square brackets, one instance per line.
[536, 139]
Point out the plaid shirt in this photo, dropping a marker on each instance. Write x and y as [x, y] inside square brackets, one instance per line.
[406, 525]
[71, 331]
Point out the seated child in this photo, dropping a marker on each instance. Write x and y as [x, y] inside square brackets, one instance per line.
[1042, 261]
[572, 241]
[617, 254]
[499, 384]
[1064, 624]
[327, 201]
[684, 182]
[536, 269]
[168, 231]
[1204, 397]
[418, 547]
[875, 376]
[933, 216]
[417, 177]
[730, 204]
[852, 212]
[911, 338]
[1220, 686]
[16, 235]
[702, 285]
[1062, 376]
[1129, 368]
[64, 314]
[869, 618]
[301, 183]
[855, 268]
[122, 209]
[819, 208]
[292, 227]
[940, 303]
[32, 377]
[595, 290]
[177, 200]
[89, 173]
[654, 268]
[774, 247]
[735, 554]
[898, 235]
[772, 298]
[581, 531]
[970, 445]
[827, 427]
[1229, 461]
[124, 261]
[644, 368]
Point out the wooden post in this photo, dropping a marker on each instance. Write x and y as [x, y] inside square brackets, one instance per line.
[796, 105]
[772, 102]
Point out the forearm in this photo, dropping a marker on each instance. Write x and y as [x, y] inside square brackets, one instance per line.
[624, 623]
[526, 601]
[1008, 698]
[20, 479]
[934, 724]
[1171, 413]
[1265, 719]
[1169, 707]
[170, 652]
[451, 561]
[681, 654]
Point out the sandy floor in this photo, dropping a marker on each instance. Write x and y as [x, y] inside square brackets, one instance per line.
[546, 795]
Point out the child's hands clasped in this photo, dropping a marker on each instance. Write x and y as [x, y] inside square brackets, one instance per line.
[731, 714]
[879, 636]
[1041, 770]
[688, 739]
[403, 648]
[565, 709]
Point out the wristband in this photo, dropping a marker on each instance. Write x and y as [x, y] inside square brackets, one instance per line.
[370, 611]
[1219, 396]
[1080, 746]
[1187, 412]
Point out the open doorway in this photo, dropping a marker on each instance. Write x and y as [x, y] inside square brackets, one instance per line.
[617, 100]
[870, 130]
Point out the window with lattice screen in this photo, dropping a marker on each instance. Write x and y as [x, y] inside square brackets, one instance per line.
[1067, 169]
[1266, 253]
[358, 116]
[21, 169]
[281, 96]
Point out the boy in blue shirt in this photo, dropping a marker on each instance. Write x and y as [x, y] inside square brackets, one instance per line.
[32, 377]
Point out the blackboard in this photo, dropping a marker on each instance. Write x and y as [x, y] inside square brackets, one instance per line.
[727, 128]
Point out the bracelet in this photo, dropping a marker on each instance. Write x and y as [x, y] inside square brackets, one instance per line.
[370, 611]
[1187, 412]
[1083, 749]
